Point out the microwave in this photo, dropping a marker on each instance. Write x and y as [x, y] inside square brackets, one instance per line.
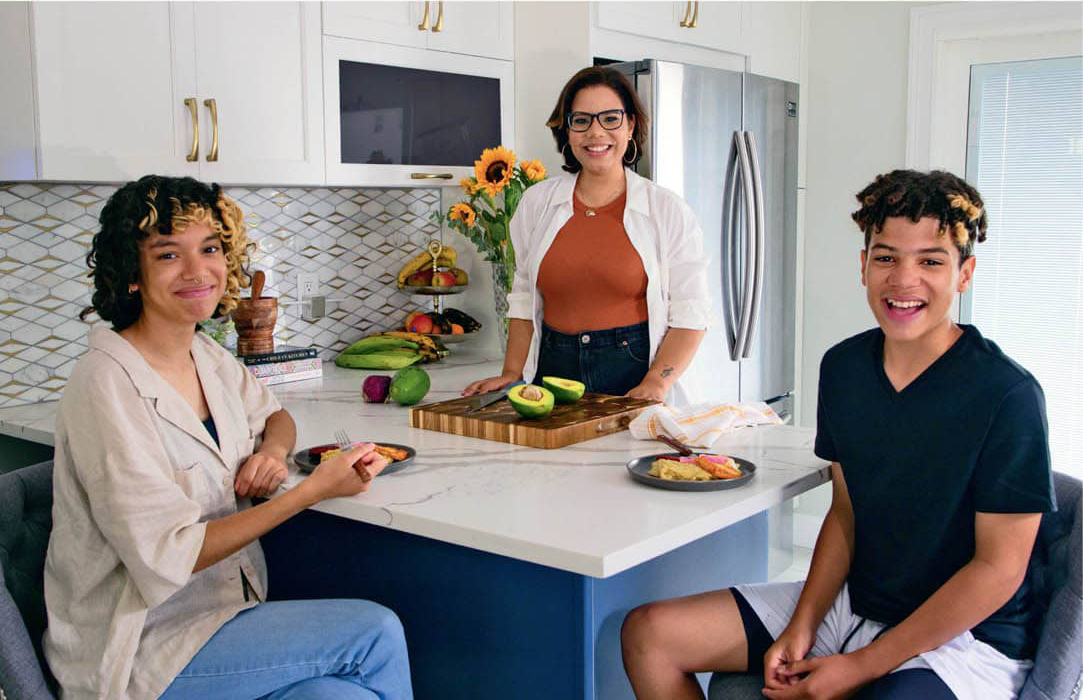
[397, 116]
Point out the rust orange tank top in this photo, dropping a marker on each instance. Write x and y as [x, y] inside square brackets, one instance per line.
[591, 278]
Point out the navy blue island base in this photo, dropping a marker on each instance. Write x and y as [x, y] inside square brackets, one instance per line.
[481, 625]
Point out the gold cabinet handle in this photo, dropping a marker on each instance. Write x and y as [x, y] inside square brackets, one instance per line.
[695, 17]
[687, 12]
[424, 26]
[194, 153]
[431, 176]
[213, 106]
[439, 26]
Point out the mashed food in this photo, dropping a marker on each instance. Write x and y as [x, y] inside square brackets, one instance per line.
[678, 471]
[696, 468]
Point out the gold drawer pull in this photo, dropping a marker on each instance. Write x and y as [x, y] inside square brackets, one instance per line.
[194, 153]
[213, 155]
[695, 17]
[439, 26]
[431, 176]
[424, 26]
[687, 13]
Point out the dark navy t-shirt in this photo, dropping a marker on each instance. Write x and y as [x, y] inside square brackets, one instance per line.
[968, 435]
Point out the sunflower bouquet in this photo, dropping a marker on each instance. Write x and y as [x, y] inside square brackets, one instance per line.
[493, 194]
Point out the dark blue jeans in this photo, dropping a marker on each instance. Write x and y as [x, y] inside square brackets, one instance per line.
[611, 361]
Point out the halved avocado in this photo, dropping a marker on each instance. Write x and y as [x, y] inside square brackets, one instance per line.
[531, 401]
[564, 390]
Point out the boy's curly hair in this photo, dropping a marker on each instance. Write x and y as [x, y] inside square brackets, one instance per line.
[937, 194]
[133, 213]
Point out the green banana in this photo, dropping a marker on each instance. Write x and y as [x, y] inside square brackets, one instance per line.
[377, 360]
[378, 343]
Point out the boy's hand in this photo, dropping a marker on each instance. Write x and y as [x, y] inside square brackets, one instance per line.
[790, 646]
[820, 678]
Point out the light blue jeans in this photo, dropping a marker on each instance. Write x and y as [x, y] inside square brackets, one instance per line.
[311, 649]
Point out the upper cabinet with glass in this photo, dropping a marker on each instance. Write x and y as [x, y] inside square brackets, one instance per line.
[473, 28]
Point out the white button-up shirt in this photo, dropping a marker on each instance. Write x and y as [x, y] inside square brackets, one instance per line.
[664, 232]
[136, 477]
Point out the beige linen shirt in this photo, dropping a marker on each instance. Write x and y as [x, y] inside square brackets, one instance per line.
[136, 478]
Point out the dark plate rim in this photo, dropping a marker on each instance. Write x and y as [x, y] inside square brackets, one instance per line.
[306, 466]
[637, 469]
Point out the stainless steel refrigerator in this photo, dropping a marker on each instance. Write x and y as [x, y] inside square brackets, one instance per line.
[727, 143]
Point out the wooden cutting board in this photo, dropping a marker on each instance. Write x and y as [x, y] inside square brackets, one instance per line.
[592, 416]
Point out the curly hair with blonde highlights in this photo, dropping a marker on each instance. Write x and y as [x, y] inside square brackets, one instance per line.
[937, 194]
[133, 213]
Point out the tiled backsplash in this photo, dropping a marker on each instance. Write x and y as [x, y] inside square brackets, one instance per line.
[354, 239]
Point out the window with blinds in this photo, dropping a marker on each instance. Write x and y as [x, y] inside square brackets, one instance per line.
[1025, 156]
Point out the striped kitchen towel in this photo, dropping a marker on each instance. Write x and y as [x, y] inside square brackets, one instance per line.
[700, 425]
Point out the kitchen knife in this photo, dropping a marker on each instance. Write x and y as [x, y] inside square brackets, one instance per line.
[492, 397]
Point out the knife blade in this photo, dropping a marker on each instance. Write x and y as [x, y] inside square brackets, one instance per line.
[492, 397]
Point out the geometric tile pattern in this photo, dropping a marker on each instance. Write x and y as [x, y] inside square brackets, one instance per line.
[355, 240]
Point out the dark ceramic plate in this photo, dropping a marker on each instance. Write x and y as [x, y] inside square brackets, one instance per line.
[306, 460]
[639, 467]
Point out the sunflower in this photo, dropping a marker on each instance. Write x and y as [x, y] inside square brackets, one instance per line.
[533, 170]
[462, 212]
[494, 170]
[469, 185]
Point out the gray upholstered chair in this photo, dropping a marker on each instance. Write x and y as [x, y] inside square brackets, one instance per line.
[26, 499]
[1057, 567]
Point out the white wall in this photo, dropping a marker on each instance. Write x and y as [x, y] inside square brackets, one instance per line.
[855, 102]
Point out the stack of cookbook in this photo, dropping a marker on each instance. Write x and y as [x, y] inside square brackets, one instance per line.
[284, 365]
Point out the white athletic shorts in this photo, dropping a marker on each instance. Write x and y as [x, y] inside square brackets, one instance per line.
[972, 669]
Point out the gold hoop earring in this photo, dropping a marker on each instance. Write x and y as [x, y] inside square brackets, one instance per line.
[635, 152]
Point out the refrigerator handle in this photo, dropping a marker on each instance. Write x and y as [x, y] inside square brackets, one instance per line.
[729, 249]
[747, 198]
[760, 233]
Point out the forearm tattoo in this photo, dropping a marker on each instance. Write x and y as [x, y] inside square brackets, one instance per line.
[666, 371]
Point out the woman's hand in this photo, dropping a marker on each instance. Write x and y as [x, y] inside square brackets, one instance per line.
[260, 476]
[347, 474]
[650, 388]
[483, 386]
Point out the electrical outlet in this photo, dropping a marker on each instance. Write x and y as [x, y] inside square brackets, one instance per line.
[308, 285]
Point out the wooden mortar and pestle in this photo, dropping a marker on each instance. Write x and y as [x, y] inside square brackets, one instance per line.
[254, 319]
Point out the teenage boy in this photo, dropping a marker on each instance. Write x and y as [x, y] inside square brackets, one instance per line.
[940, 466]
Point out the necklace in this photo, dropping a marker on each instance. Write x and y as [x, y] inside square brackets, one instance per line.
[589, 210]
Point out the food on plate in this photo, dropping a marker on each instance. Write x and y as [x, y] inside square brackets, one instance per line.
[422, 278]
[443, 278]
[456, 329]
[375, 388]
[673, 470]
[440, 324]
[393, 454]
[531, 401]
[695, 468]
[468, 322]
[564, 390]
[460, 276]
[420, 324]
[409, 385]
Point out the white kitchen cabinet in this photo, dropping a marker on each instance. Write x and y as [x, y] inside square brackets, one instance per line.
[473, 28]
[773, 37]
[712, 25]
[125, 89]
[261, 64]
[110, 90]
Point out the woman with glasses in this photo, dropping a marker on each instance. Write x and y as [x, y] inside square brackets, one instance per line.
[611, 278]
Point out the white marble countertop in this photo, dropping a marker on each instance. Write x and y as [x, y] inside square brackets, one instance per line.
[574, 508]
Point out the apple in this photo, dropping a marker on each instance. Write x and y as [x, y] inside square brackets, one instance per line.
[443, 279]
[420, 324]
[422, 278]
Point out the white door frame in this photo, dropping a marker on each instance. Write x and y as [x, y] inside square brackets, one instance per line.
[945, 39]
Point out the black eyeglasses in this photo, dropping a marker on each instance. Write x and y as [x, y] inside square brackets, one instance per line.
[610, 119]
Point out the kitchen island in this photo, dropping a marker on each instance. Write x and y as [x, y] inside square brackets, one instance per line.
[512, 568]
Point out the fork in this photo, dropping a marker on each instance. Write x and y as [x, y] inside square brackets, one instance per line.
[343, 439]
